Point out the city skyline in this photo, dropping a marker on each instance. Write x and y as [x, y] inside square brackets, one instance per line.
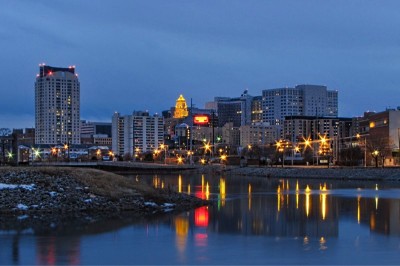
[133, 55]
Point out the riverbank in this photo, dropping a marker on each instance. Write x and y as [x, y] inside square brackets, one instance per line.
[31, 196]
[345, 173]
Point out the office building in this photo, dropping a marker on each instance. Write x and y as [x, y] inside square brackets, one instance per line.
[96, 133]
[236, 110]
[302, 100]
[138, 132]
[57, 106]
[258, 134]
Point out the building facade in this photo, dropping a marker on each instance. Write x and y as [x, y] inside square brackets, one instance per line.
[381, 133]
[305, 100]
[258, 134]
[96, 133]
[138, 132]
[236, 110]
[57, 106]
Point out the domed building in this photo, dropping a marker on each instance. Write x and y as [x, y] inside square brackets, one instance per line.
[181, 109]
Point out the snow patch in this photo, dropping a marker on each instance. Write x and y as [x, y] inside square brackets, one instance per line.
[13, 186]
[53, 193]
[22, 207]
[88, 200]
[168, 205]
[149, 203]
[22, 217]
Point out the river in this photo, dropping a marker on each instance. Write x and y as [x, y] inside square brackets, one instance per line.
[252, 221]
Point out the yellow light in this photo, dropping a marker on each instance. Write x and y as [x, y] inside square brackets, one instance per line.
[323, 205]
[222, 190]
[358, 210]
[249, 189]
[279, 198]
[180, 160]
[308, 203]
[207, 191]
[180, 184]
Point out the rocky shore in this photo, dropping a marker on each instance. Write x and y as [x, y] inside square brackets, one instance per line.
[52, 196]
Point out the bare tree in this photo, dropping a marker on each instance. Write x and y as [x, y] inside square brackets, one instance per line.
[380, 148]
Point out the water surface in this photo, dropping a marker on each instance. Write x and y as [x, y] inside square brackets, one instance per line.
[253, 221]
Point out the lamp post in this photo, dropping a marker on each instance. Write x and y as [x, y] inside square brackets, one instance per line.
[375, 154]
[164, 147]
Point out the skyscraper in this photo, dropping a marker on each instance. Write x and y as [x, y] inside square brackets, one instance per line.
[308, 100]
[57, 106]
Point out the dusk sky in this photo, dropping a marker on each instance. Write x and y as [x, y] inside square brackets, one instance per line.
[140, 55]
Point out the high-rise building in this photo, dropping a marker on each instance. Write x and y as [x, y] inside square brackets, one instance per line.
[57, 106]
[137, 132]
[236, 110]
[306, 100]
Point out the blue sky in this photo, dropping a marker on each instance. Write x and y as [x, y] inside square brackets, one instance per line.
[140, 55]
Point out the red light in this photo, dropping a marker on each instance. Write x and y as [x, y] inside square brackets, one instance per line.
[50, 73]
[201, 216]
[200, 119]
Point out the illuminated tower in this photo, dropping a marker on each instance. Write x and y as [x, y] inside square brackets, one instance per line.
[57, 106]
[181, 110]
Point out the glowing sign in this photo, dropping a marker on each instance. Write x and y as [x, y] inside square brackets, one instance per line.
[200, 119]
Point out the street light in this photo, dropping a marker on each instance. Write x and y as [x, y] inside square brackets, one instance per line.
[375, 154]
[164, 147]
[180, 160]
[223, 158]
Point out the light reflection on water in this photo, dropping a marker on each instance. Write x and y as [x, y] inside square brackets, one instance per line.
[253, 221]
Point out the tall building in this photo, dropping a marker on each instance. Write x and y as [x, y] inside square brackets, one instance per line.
[236, 110]
[137, 132]
[57, 106]
[306, 100]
